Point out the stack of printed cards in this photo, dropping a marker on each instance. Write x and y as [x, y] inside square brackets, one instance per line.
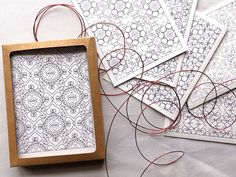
[169, 41]
[219, 126]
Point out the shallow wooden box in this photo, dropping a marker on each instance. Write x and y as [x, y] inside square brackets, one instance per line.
[55, 128]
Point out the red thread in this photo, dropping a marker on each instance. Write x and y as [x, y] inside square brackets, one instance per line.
[139, 85]
[44, 10]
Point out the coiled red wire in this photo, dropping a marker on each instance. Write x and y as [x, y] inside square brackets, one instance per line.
[139, 85]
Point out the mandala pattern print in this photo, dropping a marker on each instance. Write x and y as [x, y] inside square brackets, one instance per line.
[182, 12]
[52, 102]
[204, 38]
[219, 125]
[147, 26]
[222, 66]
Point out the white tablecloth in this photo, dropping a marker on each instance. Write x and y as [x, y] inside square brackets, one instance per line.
[201, 158]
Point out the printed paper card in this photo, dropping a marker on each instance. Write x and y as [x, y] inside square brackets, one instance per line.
[222, 67]
[205, 37]
[182, 12]
[52, 98]
[148, 27]
[218, 126]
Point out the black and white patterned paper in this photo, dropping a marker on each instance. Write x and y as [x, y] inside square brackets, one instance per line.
[148, 28]
[204, 39]
[52, 102]
[182, 11]
[222, 68]
[219, 125]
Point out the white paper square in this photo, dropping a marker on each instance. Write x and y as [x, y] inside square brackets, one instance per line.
[222, 67]
[205, 37]
[182, 12]
[149, 30]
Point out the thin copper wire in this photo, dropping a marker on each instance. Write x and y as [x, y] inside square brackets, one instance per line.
[137, 127]
[44, 10]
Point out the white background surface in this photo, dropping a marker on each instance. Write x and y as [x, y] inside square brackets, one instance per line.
[201, 158]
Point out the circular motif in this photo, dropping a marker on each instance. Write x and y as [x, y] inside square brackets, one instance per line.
[102, 33]
[75, 144]
[135, 34]
[72, 97]
[154, 5]
[88, 6]
[85, 5]
[83, 69]
[54, 125]
[153, 8]
[20, 128]
[87, 122]
[50, 73]
[16, 75]
[169, 34]
[32, 100]
[35, 147]
[120, 7]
